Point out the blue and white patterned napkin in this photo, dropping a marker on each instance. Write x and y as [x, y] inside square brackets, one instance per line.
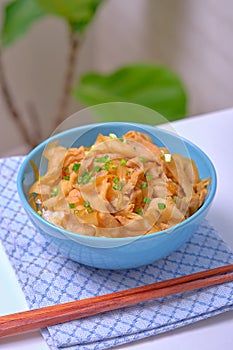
[49, 278]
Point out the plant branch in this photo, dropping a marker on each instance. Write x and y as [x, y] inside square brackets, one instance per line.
[69, 77]
[34, 122]
[14, 113]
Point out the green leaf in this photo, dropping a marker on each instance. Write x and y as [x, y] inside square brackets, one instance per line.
[78, 13]
[149, 85]
[19, 16]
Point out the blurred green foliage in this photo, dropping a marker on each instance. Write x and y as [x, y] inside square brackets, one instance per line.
[21, 14]
[78, 13]
[150, 85]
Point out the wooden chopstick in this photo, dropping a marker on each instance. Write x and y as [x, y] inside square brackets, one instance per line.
[47, 316]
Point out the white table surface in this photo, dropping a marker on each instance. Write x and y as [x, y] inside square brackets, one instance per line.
[214, 134]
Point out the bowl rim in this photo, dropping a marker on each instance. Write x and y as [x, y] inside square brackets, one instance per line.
[169, 231]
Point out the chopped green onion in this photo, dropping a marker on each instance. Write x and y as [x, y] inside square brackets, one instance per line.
[76, 166]
[89, 210]
[139, 211]
[118, 186]
[114, 167]
[85, 178]
[67, 177]
[107, 165]
[142, 159]
[144, 185]
[148, 177]
[121, 139]
[128, 172]
[103, 159]
[54, 191]
[97, 168]
[71, 205]
[161, 206]
[116, 180]
[123, 162]
[86, 204]
[146, 200]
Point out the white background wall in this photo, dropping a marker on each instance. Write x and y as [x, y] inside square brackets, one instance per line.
[193, 37]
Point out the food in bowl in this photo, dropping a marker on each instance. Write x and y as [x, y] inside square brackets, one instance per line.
[120, 252]
[117, 187]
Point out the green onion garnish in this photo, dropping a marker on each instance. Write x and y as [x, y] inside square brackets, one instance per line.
[71, 205]
[107, 165]
[121, 139]
[76, 166]
[161, 206]
[148, 177]
[139, 211]
[67, 177]
[116, 180]
[54, 191]
[142, 159]
[89, 210]
[103, 159]
[123, 162]
[85, 178]
[97, 168]
[118, 186]
[86, 204]
[114, 167]
[146, 200]
[144, 185]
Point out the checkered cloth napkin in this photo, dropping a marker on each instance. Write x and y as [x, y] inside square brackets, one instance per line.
[47, 278]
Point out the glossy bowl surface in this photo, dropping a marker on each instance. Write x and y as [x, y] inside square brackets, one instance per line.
[117, 253]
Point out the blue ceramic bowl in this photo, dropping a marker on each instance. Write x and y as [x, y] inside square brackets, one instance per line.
[117, 253]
